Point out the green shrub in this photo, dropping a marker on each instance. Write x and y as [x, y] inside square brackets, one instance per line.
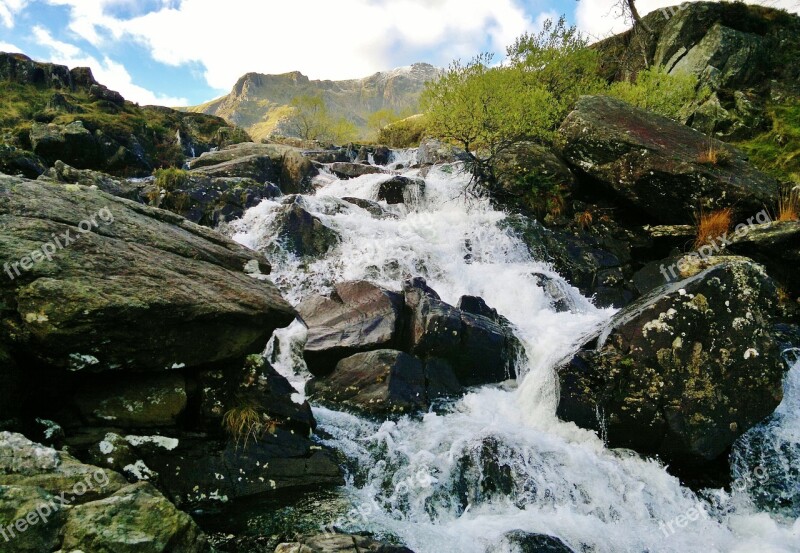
[406, 133]
[656, 90]
[171, 179]
[777, 151]
[488, 109]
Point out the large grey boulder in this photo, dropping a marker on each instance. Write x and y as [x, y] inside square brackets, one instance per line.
[283, 165]
[685, 370]
[358, 316]
[658, 168]
[66, 505]
[141, 290]
[345, 170]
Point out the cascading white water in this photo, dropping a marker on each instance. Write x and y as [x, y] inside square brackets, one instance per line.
[498, 459]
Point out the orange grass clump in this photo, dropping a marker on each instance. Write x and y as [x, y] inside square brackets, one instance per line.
[789, 205]
[712, 226]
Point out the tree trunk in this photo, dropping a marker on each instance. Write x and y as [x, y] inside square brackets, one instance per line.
[637, 19]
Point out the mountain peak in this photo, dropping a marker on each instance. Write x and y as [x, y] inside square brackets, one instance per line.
[259, 101]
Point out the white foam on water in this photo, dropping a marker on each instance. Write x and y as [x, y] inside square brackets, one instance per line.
[418, 479]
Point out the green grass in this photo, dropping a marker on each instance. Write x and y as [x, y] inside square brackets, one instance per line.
[777, 151]
[406, 133]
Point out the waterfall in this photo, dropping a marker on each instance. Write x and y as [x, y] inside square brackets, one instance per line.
[496, 460]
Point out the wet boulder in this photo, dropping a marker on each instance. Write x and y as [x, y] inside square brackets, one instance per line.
[598, 260]
[339, 543]
[302, 233]
[477, 348]
[685, 370]
[382, 155]
[374, 208]
[480, 350]
[400, 190]
[657, 168]
[384, 382]
[358, 316]
[354, 170]
[526, 542]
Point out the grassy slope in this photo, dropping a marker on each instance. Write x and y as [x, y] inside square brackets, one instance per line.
[778, 151]
[153, 127]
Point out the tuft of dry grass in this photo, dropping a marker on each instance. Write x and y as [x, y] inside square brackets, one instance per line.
[714, 155]
[242, 423]
[584, 219]
[783, 296]
[712, 226]
[789, 204]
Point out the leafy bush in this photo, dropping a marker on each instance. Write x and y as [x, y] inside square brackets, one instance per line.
[658, 91]
[311, 120]
[406, 133]
[487, 109]
[171, 179]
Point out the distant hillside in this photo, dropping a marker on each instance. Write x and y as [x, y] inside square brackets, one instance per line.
[259, 102]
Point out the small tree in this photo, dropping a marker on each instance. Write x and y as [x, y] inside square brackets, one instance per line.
[310, 118]
[486, 110]
[558, 60]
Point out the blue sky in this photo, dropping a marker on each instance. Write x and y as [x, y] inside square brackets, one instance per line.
[179, 52]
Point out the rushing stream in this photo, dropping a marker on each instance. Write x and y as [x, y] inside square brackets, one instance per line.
[497, 460]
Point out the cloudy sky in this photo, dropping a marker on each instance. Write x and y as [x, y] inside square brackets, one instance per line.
[179, 52]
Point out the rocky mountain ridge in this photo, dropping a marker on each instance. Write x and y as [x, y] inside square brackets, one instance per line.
[258, 102]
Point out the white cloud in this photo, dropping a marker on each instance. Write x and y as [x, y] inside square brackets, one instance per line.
[9, 9]
[106, 71]
[324, 39]
[601, 18]
[10, 48]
